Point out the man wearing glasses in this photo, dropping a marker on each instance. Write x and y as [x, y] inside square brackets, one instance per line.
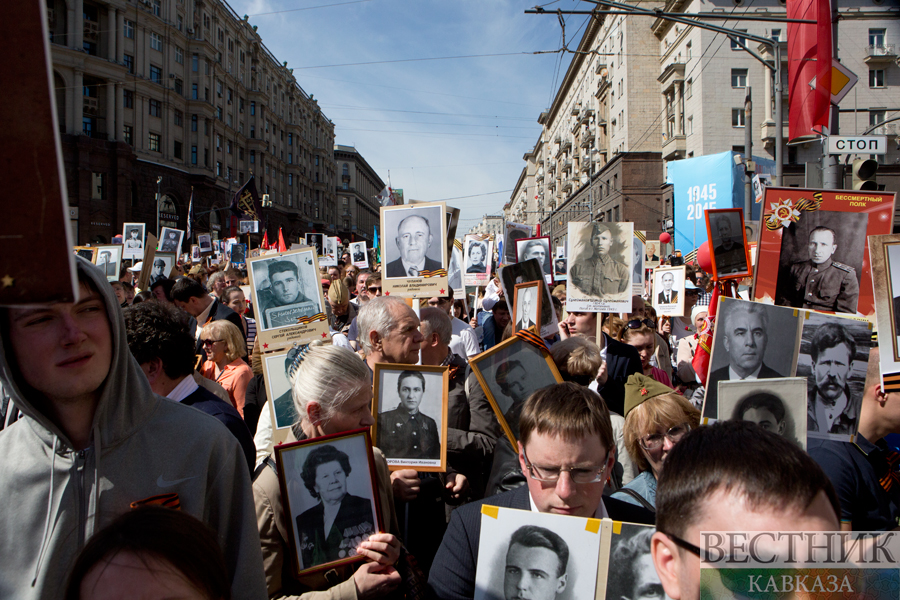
[566, 451]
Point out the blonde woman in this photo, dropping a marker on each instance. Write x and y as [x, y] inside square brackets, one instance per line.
[225, 346]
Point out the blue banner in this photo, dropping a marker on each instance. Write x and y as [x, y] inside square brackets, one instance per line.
[702, 183]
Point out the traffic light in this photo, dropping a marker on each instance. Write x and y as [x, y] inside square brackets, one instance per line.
[864, 170]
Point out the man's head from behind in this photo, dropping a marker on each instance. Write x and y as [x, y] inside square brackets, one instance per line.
[536, 563]
[413, 238]
[285, 281]
[437, 332]
[746, 327]
[713, 481]
[160, 339]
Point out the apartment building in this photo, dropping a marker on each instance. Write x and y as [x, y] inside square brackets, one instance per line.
[174, 99]
[358, 184]
[490, 225]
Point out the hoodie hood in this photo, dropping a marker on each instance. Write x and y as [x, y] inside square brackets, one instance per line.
[116, 416]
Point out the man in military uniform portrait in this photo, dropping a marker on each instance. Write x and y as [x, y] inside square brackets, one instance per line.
[830, 405]
[170, 242]
[821, 283]
[595, 272]
[359, 252]
[285, 289]
[728, 251]
[405, 432]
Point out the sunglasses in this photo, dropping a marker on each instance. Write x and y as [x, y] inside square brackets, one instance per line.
[374, 289]
[211, 342]
[637, 323]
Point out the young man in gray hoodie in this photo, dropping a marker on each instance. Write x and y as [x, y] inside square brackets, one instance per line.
[95, 439]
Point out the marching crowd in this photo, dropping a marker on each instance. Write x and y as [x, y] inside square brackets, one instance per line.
[103, 433]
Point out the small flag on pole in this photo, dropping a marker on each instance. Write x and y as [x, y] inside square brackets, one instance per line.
[386, 197]
[282, 247]
[265, 241]
[190, 218]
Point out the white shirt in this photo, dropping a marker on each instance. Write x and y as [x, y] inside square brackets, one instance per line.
[599, 514]
[733, 375]
[185, 388]
[464, 341]
[201, 318]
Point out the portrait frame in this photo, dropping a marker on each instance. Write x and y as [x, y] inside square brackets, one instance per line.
[248, 226]
[511, 233]
[86, 252]
[519, 295]
[652, 248]
[357, 446]
[723, 259]
[165, 240]
[884, 254]
[204, 240]
[673, 309]
[131, 252]
[238, 254]
[560, 265]
[582, 267]
[434, 280]
[277, 385]
[638, 272]
[317, 241]
[329, 252]
[524, 272]
[359, 247]
[115, 253]
[382, 376]
[786, 208]
[545, 242]
[475, 277]
[791, 391]
[455, 270]
[195, 253]
[530, 358]
[613, 575]
[311, 322]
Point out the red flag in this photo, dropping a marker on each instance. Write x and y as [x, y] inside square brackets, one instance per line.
[809, 56]
[700, 362]
[265, 242]
[282, 247]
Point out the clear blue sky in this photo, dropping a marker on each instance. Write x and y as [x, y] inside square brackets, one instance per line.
[442, 128]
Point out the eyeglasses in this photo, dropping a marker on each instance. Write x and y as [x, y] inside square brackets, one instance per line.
[695, 550]
[211, 342]
[374, 289]
[636, 323]
[654, 441]
[551, 474]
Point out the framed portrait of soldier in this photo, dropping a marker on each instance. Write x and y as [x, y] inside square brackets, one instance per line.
[524, 272]
[833, 357]
[410, 410]
[637, 264]
[539, 248]
[529, 554]
[776, 405]
[478, 254]
[813, 248]
[317, 241]
[730, 255]
[751, 340]
[509, 373]
[86, 252]
[328, 481]
[276, 372]
[668, 291]
[133, 240]
[527, 307]
[358, 255]
[414, 251]
[195, 253]
[170, 240]
[600, 269]
[205, 243]
[512, 233]
[329, 257]
[884, 254]
[109, 259]
[626, 567]
[238, 254]
[287, 296]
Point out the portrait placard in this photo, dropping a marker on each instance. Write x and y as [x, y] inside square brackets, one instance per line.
[238, 254]
[509, 373]
[600, 269]
[133, 240]
[109, 259]
[329, 257]
[205, 243]
[455, 271]
[478, 253]
[725, 230]
[560, 265]
[195, 253]
[527, 307]
[317, 241]
[86, 252]
[513, 232]
[410, 410]
[552, 556]
[333, 473]
[812, 250]
[245, 227]
[884, 254]
[276, 366]
[637, 263]
[776, 405]
[288, 298]
[414, 251]
[539, 248]
[170, 240]
[668, 291]
[626, 567]
[523, 272]
[359, 255]
[652, 251]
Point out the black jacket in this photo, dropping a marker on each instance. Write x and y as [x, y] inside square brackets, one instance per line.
[204, 400]
[711, 401]
[217, 312]
[621, 361]
[395, 268]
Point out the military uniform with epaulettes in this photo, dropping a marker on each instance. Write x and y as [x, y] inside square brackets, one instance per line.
[830, 286]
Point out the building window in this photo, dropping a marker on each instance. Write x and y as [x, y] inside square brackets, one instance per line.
[690, 125]
[193, 155]
[876, 37]
[253, 157]
[689, 88]
[153, 142]
[128, 61]
[155, 107]
[157, 8]
[194, 92]
[206, 126]
[689, 48]
[179, 87]
[876, 78]
[128, 99]
[219, 112]
[228, 146]
[876, 117]
[129, 135]
[252, 132]
[180, 21]
[87, 125]
[734, 43]
[193, 122]
[290, 139]
[179, 118]
[218, 142]
[229, 173]
[179, 55]
[737, 117]
[155, 41]
[195, 63]
[218, 168]
[206, 157]
[252, 107]
[240, 153]
[128, 29]
[739, 78]
[177, 150]
[155, 74]
[290, 158]
[775, 34]
[290, 179]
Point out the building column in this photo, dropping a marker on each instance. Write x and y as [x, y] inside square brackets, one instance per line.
[111, 121]
[768, 77]
[78, 27]
[112, 36]
[78, 103]
[679, 109]
[120, 36]
[120, 113]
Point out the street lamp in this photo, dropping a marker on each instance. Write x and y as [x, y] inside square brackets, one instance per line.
[158, 202]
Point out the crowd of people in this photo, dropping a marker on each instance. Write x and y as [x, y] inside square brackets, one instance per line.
[104, 431]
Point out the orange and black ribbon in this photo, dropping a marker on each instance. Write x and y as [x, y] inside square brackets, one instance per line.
[532, 338]
[170, 500]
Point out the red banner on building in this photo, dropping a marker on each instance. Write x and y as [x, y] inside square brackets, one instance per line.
[809, 58]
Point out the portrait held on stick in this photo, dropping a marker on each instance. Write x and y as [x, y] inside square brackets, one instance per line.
[415, 252]
[776, 405]
[478, 257]
[525, 272]
[170, 240]
[668, 291]
[277, 375]
[730, 255]
[358, 255]
[133, 240]
[884, 253]
[109, 259]
[512, 233]
[527, 306]
[600, 269]
[539, 248]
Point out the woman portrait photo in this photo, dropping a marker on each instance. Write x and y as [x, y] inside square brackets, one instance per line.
[476, 254]
[333, 528]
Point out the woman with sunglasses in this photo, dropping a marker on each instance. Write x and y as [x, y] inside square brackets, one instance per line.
[224, 345]
[641, 334]
[656, 418]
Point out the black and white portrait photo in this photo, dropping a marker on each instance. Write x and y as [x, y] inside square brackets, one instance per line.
[726, 232]
[238, 254]
[413, 240]
[524, 272]
[538, 248]
[276, 372]
[170, 240]
[668, 291]
[536, 556]
[600, 272]
[133, 240]
[527, 306]
[821, 261]
[245, 227]
[358, 255]
[637, 266]
[317, 241]
[286, 288]
[163, 262]
[630, 572]
[86, 252]
[329, 258]
[514, 232]
[455, 269]
[205, 243]
[330, 497]
[745, 346]
[195, 253]
[109, 259]
[560, 269]
[411, 415]
[834, 356]
[476, 256]
[776, 405]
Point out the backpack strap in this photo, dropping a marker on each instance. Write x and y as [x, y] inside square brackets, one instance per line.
[643, 502]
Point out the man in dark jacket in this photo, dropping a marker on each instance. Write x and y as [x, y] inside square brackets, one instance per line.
[190, 296]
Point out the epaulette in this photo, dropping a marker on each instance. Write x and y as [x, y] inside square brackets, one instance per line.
[842, 266]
